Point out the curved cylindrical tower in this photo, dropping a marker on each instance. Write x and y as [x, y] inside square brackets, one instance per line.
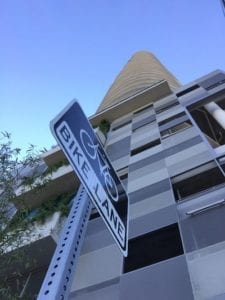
[142, 71]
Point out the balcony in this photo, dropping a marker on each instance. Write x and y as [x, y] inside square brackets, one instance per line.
[34, 249]
[61, 181]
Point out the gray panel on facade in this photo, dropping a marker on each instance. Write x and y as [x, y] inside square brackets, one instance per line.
[119, 149]
[188, 163]
[212, 80]
[121, 122]
[143, 122]
[120, 163]
[151, 204]
[143, 111]
[180, 137]
[146, 161]
[170, 114]
[167, 280]
[167, 106]
[94, 226]
[99, 292]
[150, 191]
[146, 169]
[204, 229]
[182, 146]
[165, 153]
[165, 101]
[153, 221]
[218, 297]
[100, 239]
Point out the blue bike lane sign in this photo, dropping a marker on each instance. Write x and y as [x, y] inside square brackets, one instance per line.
[86, 155]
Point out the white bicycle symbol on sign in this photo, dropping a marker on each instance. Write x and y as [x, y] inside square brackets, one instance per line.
[93, 151]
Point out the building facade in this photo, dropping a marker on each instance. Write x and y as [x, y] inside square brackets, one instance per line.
[167, 144]
[169, 152]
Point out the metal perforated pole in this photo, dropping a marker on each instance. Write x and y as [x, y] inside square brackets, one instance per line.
[58, 279]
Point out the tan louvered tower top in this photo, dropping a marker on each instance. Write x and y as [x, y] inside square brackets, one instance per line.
[142, 71]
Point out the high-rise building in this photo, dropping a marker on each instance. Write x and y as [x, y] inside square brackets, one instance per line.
[166, 142]
[141, 72]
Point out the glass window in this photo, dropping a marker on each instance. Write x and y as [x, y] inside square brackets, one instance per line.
[33, 285]
[123, 175]
[153, 247]
[197, 180]
[221, 161]
[26, 286]
[182, 114]
[188, 90]
[94, 214]
[175, 129]
[200, 221]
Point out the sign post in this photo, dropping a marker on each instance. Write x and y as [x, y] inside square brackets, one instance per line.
[59, 277]
[86, 155]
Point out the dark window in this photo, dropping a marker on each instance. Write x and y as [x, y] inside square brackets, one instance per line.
[34, 284]
[214, 133]
[15, 285]
[121, 125]
[94, 214]
[153, 247]
[197, 180]
[175, 129]
[145, 147]
[188, 90]
[172, 118]
[221, 161]
[123, 175]
[26, 286]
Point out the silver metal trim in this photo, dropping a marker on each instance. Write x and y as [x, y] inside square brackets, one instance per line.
[205, 208]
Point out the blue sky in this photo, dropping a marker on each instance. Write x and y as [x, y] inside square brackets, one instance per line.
[53, 51]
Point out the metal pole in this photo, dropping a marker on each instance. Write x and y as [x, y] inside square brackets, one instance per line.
[216, 112]
[58, 279]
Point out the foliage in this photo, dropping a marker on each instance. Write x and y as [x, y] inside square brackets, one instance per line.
[23, 173]
[12, 168]
[104, 126]
[61, 203]
[56, 166]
